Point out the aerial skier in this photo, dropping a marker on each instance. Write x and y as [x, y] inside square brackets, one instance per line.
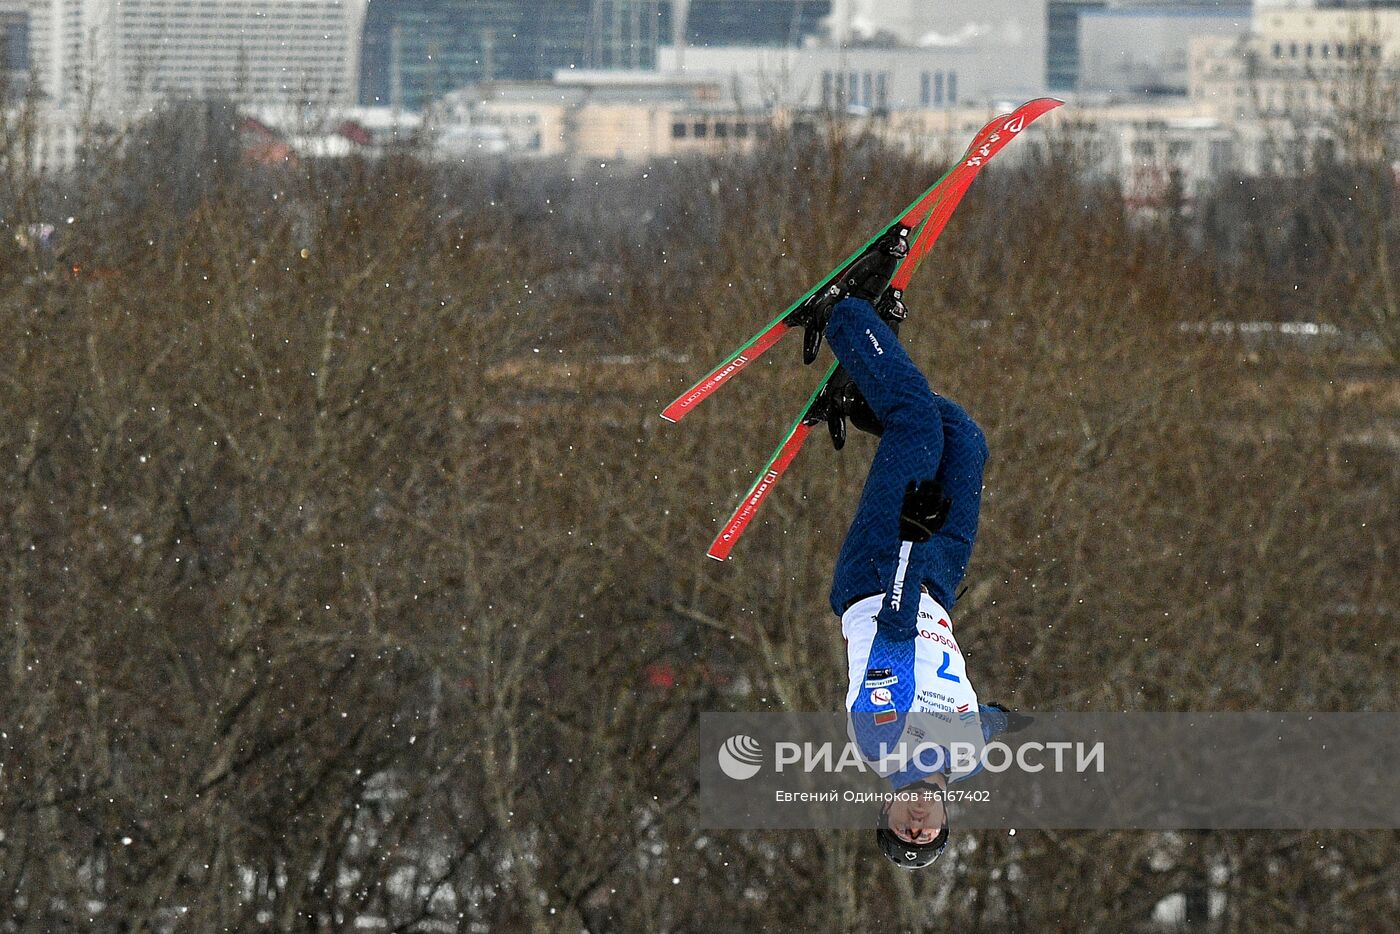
[908, 546]
[901, 563]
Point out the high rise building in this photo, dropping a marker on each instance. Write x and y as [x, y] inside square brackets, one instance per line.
[1062, 41]
[922, 54]
[754, 22]
[123, 55]
[1301, 65]
[417, 50]
[14, 43]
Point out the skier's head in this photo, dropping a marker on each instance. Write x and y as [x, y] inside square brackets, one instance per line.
[913, 828]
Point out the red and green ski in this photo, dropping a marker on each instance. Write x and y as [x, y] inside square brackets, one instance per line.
[936, 204]
[930, 213]
[792, 443]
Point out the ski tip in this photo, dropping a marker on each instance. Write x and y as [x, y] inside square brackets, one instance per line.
[667, 418]
[719, 558]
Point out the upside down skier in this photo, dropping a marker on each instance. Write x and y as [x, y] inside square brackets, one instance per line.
[902, 560]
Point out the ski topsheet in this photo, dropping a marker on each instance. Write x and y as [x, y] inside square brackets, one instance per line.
[774, 331]
[937, 206]
[768, 477]
[937, 201]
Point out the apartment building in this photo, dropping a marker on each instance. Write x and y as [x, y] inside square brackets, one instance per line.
[1302, 64]
[14, 40]
[1145, 50]
[601, 115]
[981, 52]
[120, 56]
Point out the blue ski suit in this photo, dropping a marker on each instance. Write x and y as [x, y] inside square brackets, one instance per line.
[908, 682]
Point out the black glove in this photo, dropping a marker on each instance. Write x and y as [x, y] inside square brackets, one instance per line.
[1015, 722]
[924, 512]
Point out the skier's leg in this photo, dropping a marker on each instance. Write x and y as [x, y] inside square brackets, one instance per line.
[960, 476]
[869, 350]
[910, 449]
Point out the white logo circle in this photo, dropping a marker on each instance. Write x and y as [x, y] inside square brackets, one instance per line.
[880, 696]
[740, 757]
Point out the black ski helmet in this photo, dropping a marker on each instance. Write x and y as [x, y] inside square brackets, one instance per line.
[908, 855]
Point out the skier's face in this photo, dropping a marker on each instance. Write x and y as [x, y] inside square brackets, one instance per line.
[917, 821]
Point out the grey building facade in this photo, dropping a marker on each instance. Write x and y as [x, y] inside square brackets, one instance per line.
[14, 42]
[1146, 49]
[1062, 41]
[414, 51]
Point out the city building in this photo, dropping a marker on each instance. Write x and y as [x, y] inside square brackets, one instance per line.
[1160, 156]
[596, 115]
[862, 79]
[1062, 41]
[1155, 149]
[1135, 50]
[121, 56]
[639, 116]
[417, 50]
[1163, 154]
[983, 51]
[1002, 26]
[14, 44]
[751, 22]
[1291, 84]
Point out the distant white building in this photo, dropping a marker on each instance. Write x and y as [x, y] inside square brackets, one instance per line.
[594, 115]
[939, 22]
[123, 55]
[971, 52]
[862, 79]
[1300, 79]
[1146, 49]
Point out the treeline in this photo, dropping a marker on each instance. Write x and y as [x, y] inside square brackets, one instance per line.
[350, 580]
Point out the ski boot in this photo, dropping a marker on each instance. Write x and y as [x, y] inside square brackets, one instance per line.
[890, 307]
[841, 398]
[867, 277]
